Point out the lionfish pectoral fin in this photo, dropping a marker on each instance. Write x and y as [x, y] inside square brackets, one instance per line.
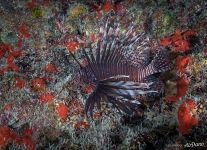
[144, 85]
[159, 87]
[112, 95]
[132, 104]
[113, 92]
[112, 101]
[88, 104]
[122, 94]
[120, 105]
[94, 98]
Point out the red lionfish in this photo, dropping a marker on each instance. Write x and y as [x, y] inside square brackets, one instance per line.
[120, 68]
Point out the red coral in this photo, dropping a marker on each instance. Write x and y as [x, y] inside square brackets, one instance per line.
[99, 14]
[11, 55]
[27, 142]
[19, 83]
[31, 4]
[179, 40]
[189, 33]
[181, 46]
[82, 125]
[119, 8]
[89, 89]
[166, 41]
[16, 53]
[8, 106]
[46, 98]
[26, 139]
[182, 63]
[10, 63]
[6, 136]
[185, 118]
[27, 132]
[19, 43]
[205, 52]
[182, 86]
[13, 67]
[107, 7]
[2, 53]
[3, 49]
[93, 37]
[3, 70]
[50, 68]
[72, 46]
[24, 31]
[38, 84]
[177, 36]
[62, 111]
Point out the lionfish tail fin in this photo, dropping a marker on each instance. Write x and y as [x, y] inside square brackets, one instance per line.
[161, 62]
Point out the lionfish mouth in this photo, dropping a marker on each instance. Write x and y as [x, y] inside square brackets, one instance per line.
[122, 65]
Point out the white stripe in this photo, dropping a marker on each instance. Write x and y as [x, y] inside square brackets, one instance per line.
[140, 75]
[144, 73]
[147, 70]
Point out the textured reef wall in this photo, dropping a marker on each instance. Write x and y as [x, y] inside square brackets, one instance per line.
[43, 93]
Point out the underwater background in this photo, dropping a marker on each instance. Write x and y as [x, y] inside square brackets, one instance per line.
[46, 88]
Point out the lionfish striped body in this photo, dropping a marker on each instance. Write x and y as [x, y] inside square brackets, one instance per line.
[121, 70]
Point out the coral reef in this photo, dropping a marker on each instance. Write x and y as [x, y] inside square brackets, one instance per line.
[43, 94]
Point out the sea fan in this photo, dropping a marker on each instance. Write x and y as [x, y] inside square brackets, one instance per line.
[121, 69]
